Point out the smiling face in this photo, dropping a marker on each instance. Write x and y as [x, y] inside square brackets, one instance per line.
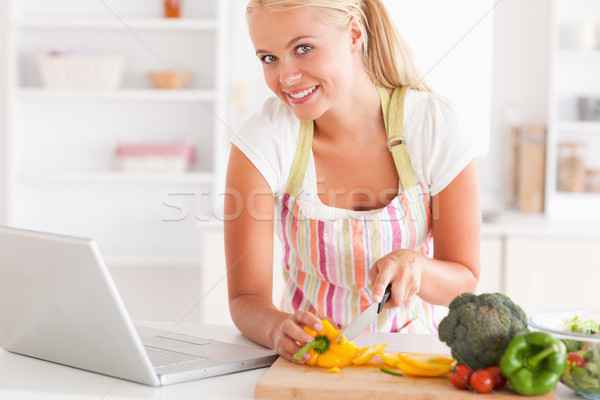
[308, 64]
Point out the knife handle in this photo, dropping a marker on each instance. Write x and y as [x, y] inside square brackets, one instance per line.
[386, 296]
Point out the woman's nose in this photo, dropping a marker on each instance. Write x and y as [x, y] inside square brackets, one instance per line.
[289, 73]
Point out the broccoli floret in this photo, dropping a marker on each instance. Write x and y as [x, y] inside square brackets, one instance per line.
[478, 329]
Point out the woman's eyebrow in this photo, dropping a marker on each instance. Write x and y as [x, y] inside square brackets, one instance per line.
[290, 43]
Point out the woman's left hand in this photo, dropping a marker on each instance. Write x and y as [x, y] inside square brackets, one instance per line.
[400, 268]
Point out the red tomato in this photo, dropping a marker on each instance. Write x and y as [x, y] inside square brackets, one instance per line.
[460, 376]
[499, 379]
[577, 359]
[482, 381]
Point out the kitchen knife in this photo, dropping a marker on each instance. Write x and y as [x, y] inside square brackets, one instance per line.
[359, 323]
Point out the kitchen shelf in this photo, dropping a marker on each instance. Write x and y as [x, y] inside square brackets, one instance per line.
[586, 127]
[578, 55]
[573, 74]
[116, 177]
[163, 24]
[59, 168]
[191, 94]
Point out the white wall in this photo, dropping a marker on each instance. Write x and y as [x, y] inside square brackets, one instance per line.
[3, 111]
[520, 79]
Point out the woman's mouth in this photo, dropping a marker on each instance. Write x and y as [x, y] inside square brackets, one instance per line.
[302, 96]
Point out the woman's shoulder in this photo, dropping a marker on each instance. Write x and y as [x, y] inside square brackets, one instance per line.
[439, 148]
[268, 138]
[432, 103]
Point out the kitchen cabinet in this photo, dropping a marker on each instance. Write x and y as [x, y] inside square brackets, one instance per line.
[491, 278]
[548, 273]
[573, 139]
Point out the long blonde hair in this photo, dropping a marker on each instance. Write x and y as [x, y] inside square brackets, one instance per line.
[386, 56]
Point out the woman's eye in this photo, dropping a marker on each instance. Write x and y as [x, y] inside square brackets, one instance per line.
[305, 48]
[268, 59]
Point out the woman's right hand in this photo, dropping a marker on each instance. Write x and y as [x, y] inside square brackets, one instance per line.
[289, 335]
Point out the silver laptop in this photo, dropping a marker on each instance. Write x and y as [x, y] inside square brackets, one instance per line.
[59, 303]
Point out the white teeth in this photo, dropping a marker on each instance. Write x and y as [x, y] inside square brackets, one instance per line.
[304, 93]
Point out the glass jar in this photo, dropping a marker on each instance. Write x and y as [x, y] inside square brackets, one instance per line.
[571, 167]
[593, 180]
[172, 8]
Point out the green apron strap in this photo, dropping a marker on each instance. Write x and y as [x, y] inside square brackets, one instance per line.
[301, 159]
[396, 142]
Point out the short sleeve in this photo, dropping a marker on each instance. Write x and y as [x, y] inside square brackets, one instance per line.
[442, 148]
[268, 139]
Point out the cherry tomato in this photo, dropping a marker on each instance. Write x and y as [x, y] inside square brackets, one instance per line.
[499, 379]
[482, 381]
[460, 375]
[577, 359]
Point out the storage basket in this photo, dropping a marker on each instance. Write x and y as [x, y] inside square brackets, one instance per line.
[81, 71]
[155, 158]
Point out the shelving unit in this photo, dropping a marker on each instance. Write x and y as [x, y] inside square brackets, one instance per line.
[62, 175]
[573, 74]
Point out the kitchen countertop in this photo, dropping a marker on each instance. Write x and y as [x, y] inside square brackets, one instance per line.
[31, 379]
[513, 223]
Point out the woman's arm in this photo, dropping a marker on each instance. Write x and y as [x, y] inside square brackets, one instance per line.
[454, 269]
[249, 208]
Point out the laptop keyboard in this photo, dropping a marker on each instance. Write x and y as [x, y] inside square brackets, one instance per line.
[161, 358]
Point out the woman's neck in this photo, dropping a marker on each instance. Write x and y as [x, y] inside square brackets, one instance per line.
[355, 115]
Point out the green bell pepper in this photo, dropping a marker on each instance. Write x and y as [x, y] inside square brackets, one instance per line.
[533, 362]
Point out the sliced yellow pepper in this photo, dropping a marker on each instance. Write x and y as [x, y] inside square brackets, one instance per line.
[424, 361]
[434, 370]
[367, 353]
[419, 364]
[389, 358]
[324, 352]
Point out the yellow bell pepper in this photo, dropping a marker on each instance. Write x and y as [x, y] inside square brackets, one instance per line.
[424, 365]
[324, 352]
[367, 353]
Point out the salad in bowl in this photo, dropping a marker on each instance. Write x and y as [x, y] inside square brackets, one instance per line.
[580, 332]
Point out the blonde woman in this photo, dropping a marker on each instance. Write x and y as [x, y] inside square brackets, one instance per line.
[359, 167]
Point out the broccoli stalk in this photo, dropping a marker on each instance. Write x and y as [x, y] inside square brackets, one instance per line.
[478, 329]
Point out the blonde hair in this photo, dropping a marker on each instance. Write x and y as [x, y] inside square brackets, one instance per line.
[386, 56]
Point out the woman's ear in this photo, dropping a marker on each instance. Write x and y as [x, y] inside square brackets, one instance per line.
[356, 35]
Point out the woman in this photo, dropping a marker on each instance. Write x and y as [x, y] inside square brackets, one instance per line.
[361, 170]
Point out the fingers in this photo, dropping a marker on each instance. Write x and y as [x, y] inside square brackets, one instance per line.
[292, 336]
[380, 276]
[402, 269]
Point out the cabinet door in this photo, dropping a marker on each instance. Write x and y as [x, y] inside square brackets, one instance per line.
[552, 273]
[490, 277]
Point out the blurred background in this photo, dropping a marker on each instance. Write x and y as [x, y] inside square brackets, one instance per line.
[115, 117]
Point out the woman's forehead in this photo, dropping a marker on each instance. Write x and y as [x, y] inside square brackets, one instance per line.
[273, 27]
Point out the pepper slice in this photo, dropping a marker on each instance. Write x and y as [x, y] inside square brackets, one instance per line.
[433, 370]
[367, 353]
[324, 352]
[533, 362]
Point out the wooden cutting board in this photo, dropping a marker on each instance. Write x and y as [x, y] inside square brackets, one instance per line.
[286, 380]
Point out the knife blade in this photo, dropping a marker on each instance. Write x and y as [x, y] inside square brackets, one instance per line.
[359, 323]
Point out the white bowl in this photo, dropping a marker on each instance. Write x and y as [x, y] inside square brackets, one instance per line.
[585, 380]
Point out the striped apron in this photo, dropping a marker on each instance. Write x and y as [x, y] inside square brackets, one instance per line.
[326, 263]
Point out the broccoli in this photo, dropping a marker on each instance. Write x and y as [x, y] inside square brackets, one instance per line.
[478, 329]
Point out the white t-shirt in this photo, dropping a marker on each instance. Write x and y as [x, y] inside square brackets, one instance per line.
[437, 148]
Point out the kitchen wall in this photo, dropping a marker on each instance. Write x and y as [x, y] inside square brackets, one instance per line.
[3, 113]
[520, 77]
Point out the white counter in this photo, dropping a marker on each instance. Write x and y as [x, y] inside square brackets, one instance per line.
[24, 378]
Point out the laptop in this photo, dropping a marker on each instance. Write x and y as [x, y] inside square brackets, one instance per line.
[59, 303]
